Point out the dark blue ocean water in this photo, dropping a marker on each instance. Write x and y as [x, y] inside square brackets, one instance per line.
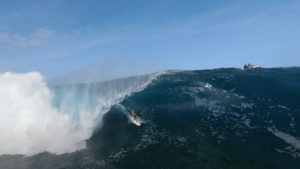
[220, 118]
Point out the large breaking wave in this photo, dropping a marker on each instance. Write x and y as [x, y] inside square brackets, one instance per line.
[35, 118]
[220, 118]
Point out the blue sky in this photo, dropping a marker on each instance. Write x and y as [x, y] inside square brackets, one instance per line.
[122, 38]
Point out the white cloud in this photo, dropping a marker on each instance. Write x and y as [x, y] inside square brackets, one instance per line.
[39, 37]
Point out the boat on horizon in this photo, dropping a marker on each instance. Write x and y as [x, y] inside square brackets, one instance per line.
[252, 67]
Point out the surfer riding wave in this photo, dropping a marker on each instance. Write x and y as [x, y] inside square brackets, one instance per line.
[135, 120]
[134, 115]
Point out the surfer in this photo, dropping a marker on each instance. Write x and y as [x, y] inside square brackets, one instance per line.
[245, 67]
[134, 115]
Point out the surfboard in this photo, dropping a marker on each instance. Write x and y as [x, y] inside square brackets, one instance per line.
[136, 122]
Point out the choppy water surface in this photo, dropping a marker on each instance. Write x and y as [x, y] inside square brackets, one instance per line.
[221, 118]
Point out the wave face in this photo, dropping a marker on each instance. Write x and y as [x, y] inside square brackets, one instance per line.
[221, 118]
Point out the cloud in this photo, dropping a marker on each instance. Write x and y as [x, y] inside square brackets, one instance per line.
[39, 37]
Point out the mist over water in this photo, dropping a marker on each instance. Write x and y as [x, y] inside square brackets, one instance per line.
[109, 68]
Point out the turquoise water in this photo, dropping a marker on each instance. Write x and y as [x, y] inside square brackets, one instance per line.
[220, 118]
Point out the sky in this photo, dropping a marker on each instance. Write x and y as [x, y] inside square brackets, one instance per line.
[117, 38]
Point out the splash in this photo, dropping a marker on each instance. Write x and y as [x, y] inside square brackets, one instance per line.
[29, 124]
[35, 118]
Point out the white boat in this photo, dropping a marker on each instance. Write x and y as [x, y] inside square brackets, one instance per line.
[252, 67]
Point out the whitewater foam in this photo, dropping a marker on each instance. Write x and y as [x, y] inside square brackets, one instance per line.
[29, 124]
[286, 137]
[295, 143]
